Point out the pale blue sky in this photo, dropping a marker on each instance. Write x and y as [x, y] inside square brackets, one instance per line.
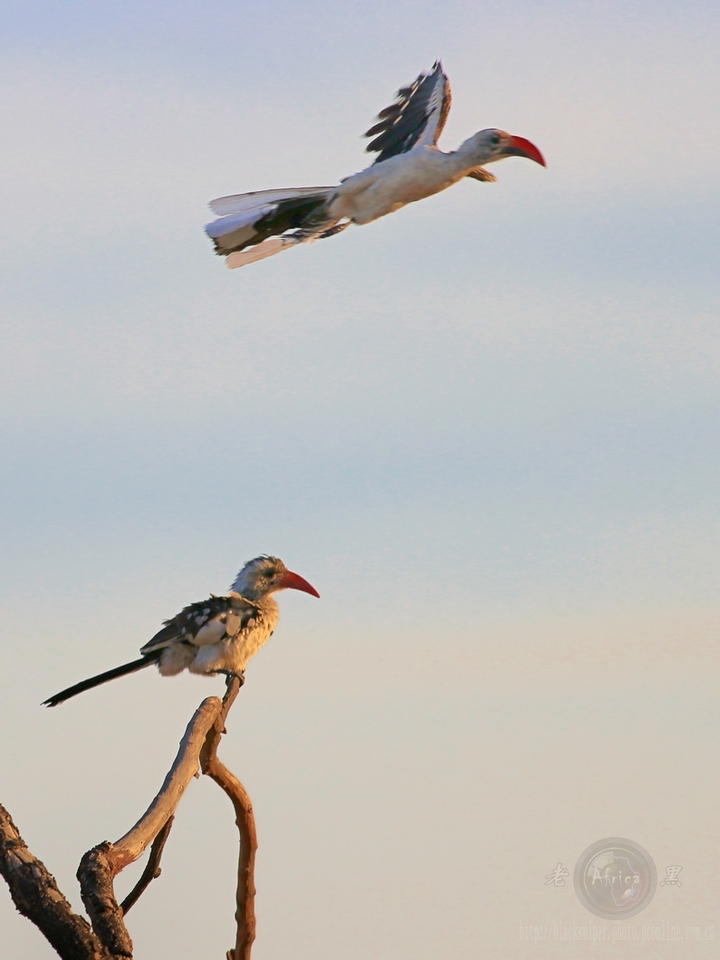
[485, 428]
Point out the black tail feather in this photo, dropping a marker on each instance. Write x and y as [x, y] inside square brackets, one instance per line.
[126, 668]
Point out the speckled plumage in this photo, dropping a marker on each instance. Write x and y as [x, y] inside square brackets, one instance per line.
[217, 635]
[221, 633]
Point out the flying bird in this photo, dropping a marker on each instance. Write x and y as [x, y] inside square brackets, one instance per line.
[408, 167]
[218, 635]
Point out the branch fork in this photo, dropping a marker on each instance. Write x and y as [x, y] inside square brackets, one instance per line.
[36, 895]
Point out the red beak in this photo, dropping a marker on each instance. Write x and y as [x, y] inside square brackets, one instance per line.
[520, 147]
[293, 581]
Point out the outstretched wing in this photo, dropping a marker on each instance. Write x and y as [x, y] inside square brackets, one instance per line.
[208, 621]
[417, 116]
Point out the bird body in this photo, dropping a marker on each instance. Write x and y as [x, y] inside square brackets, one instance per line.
[213, 636]
[399, 180]
[217, 635]
[409, 167]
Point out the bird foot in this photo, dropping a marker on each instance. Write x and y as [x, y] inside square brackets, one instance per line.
[230, 675]
[334, 231]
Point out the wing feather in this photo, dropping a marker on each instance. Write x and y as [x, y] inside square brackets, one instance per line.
[208, 621]
[417, 117]
[303, 215]
[248, 202]
[236, 221]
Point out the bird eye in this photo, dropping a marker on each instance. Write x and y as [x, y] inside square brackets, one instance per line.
[495, 139]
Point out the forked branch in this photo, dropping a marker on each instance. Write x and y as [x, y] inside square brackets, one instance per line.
[152, 868]
[36, 895]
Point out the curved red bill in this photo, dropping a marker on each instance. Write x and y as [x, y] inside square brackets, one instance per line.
[520, 147]
[293, 581]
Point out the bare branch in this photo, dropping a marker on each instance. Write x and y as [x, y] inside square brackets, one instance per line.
[99, 866]
[152, 869]
[129, 847]
[37, 897]
[245, 820]
[95, 874]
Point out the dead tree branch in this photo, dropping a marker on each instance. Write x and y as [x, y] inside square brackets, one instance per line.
[245, 820]
[96, 887]
[99, 866]
[36, 896]
[129, 847]
[152, 868]
[35, 892]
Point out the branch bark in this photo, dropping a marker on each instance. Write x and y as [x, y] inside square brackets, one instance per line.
[152, 868]
[95, 874]
[245, 820]
[35, 892]
[130, 846]
[99, 866]
[36, 896]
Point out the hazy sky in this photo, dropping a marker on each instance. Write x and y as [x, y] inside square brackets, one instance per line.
[485, 428]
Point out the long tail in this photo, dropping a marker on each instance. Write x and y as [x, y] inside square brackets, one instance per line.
[126, 668]
[253, 226]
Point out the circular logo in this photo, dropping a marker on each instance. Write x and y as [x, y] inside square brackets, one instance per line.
[615, 878]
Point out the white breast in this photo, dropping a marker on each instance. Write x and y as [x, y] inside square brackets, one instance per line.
[233, 653]
[385, 187]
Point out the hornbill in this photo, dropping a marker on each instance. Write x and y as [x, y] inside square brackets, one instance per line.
[217, 635]
[408, 167]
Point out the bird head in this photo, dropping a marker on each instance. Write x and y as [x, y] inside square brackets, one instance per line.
[265, 575]
[491, 145]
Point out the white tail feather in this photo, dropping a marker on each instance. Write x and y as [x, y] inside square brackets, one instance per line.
[246, 202]
[226, 225]
[259, 252]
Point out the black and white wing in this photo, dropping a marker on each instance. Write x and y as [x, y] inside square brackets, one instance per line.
[260, 201]
[254, 219]
[417, 117]
[208, 621]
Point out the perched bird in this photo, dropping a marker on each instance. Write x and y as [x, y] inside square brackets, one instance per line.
[218, 635]
[408, 167]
